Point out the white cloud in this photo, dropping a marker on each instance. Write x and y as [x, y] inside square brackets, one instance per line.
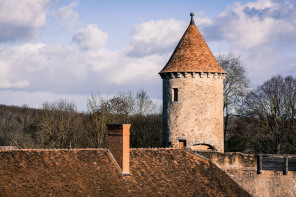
[262, 32]
[243, 30]
[90, 38]
[36, 99]
[156, 36]
[201, 20]
[256, 23]
[138, 69]
[82, 67]
[66, 15]
[22, 19]
[7, 80]
[102, 59]
[42, 67]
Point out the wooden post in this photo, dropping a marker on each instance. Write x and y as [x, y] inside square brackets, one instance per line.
[286, 166]
[259, 164]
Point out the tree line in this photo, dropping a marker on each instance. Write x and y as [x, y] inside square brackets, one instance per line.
[59, 125]
[256, 120]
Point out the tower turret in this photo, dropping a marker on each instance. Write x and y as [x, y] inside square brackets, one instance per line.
[193, 95]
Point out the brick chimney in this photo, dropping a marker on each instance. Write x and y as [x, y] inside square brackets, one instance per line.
[119, 144]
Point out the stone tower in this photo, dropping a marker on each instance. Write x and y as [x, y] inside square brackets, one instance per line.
[193, 95]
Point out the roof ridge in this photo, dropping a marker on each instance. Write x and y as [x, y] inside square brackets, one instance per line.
[195, 154]
[52, 149]
[162, 148]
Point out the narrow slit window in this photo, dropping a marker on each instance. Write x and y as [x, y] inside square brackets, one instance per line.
[175, 94]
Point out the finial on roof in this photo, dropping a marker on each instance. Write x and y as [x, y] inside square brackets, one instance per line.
[192, 20]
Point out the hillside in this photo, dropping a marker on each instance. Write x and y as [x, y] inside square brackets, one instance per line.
[17, 126]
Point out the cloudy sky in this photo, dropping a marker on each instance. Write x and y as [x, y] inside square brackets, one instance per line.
[51, 49]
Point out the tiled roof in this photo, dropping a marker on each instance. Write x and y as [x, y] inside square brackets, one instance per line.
[192, 54]
[91, 172]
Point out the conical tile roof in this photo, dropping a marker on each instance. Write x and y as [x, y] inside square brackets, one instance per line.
[192, 54]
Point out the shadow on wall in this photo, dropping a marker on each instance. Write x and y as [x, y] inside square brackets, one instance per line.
[203, 147]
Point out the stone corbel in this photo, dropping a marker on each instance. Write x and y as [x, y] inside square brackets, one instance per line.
[201, 74]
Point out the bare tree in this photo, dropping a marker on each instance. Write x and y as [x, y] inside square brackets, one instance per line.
[272, 108]
[144, 105]
[97, 109]
[236, 85]
[60, 105]
[122, 104]
[55, 126]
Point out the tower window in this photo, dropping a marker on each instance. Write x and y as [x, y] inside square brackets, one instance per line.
[175, 94]
[182, 143]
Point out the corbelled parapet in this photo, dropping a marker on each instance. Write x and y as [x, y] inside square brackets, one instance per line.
[192, 75]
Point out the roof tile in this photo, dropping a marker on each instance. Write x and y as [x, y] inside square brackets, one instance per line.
[153, 172]
[192, 54]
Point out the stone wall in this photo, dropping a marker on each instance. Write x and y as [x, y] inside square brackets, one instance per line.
[197, 116]
[242, 168]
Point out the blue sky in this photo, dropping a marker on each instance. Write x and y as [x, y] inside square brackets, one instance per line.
[52, 49]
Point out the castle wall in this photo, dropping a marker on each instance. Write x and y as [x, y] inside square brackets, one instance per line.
[242, 168]
[197, 116]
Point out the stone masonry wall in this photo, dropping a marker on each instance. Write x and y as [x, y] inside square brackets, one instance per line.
[197, 116]
[242, 168]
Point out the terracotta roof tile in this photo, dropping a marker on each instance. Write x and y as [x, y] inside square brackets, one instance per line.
[154, 172]
[192, 54]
